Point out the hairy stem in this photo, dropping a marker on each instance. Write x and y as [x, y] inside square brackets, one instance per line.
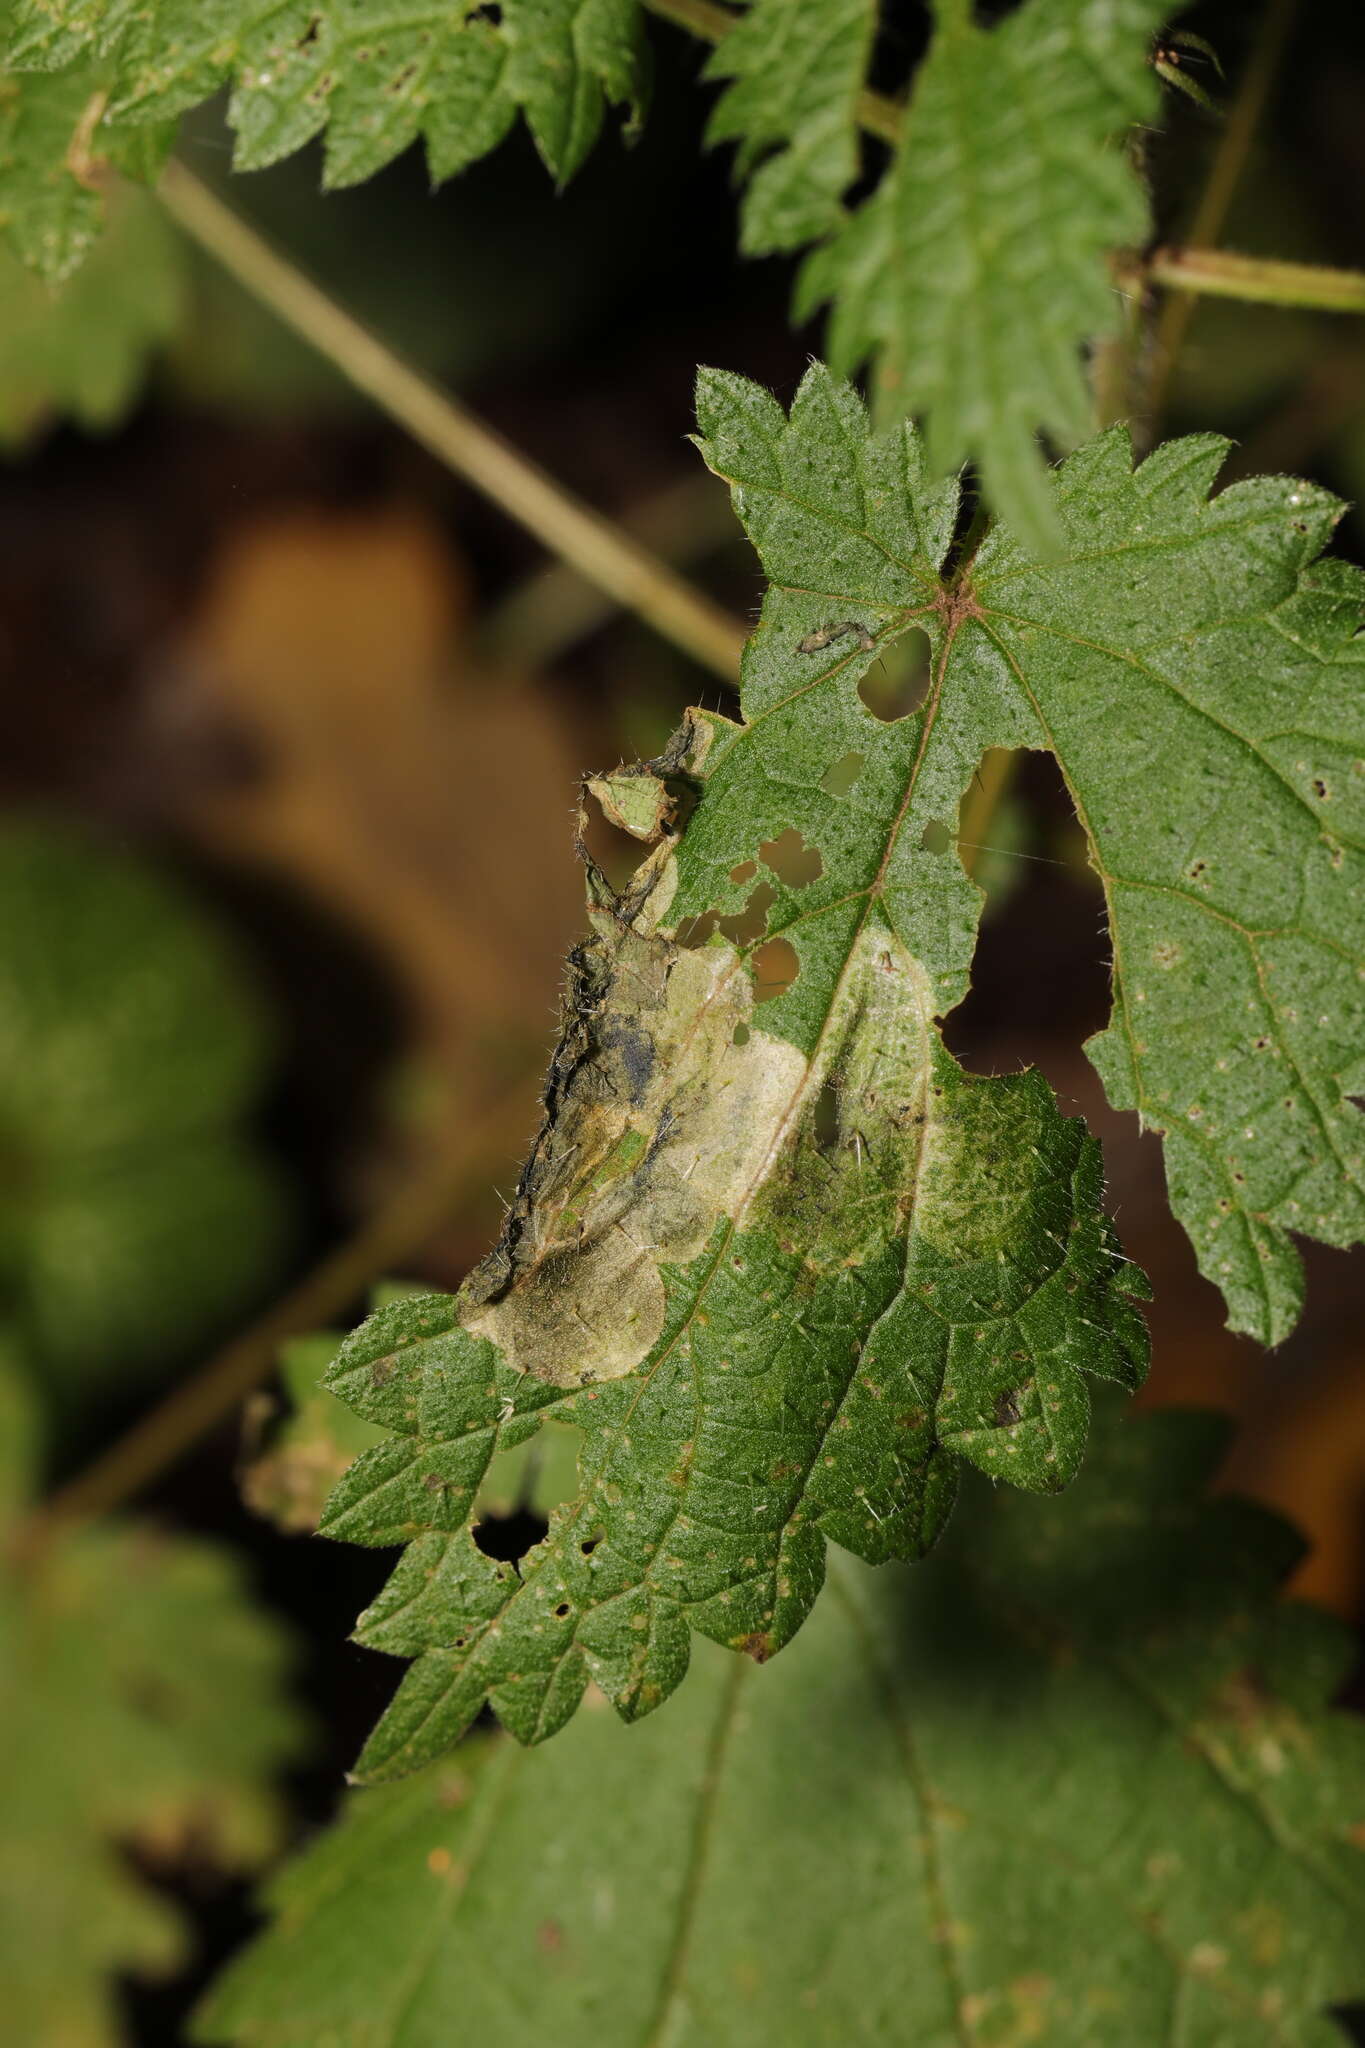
[595, 547]
[555, 607]
[1263, 280]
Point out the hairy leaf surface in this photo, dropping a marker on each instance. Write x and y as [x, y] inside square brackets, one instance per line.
[370, 76]
[792, 108]
[1198, 674]
[140, 1707]
[977, 269]
[779, 1259]
[1073, 1779]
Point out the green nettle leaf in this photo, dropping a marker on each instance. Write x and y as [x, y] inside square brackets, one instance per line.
[779, 1259]
[1075, 1779]
[370, 76]
[798, 71]
[1197, 672]
[784, 1265]
[135, 1208]
[291, 1467]
[977, 269]
[80, 349]
[141, 1707]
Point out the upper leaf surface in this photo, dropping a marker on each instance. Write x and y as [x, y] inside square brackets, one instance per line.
[1198, 675]
[782, 1262]
[368, 75]
[140, 1706]
[1078, 1764]
[977, 269]
[797, 72]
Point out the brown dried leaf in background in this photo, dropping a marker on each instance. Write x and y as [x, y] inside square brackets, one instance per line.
[427, 804]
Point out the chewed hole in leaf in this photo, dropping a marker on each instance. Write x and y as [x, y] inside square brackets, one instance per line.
[745, 872]
[774, 968]
[695, 931]
[749, 924]
[740, 1035]
[791, 860]
[509, 1537]
[1066, 986]
[897, 683]
[826, 1123]
[936, 838]
[839, 779]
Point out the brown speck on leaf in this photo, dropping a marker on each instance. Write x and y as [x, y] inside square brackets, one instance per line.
[549, 1937]
[758, 1646]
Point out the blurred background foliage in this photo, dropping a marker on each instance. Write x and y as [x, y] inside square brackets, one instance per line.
[292, 729]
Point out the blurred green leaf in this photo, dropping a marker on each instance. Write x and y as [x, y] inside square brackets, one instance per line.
[141, 1710]
[797, 73]
[80, 350]
[135, 1212]
[57, 149]
[977, 269]
[1073, 1780]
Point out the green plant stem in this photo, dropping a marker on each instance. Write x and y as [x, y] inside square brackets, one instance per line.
[382, 1245]
[1261, 280]
[597, 549]
[877, 115]
[1210, 216]
[555, 607]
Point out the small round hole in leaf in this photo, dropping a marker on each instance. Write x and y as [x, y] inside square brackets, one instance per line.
[774, 968]
[791, 860]
[750, 923]
[839, 779]
[898, 682]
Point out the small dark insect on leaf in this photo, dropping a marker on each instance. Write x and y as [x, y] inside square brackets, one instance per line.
[824, 635]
